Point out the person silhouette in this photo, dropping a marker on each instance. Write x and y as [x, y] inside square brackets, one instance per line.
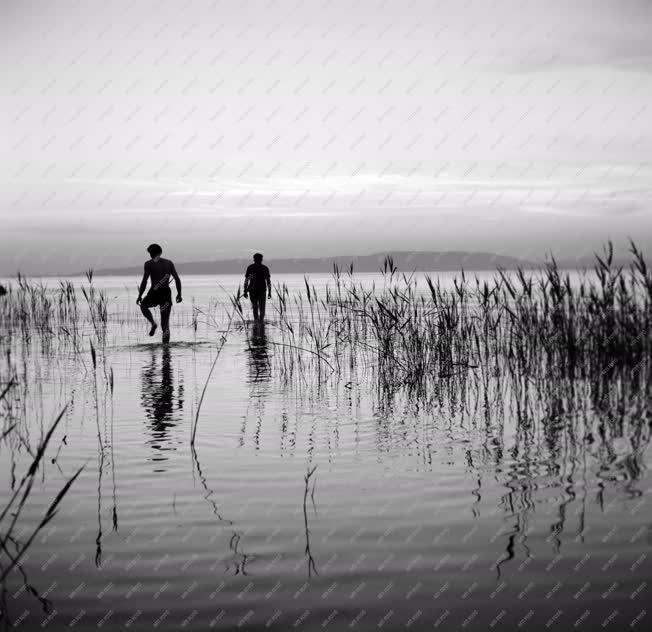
[159, 271]
[257, 280]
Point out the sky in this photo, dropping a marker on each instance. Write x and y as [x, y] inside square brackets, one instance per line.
[299, 128]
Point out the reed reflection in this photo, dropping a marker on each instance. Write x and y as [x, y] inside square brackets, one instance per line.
[162, 400]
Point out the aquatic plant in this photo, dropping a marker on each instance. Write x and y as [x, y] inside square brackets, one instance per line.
[13, 548]
[220, 346]
[540, 326]
[308, 553]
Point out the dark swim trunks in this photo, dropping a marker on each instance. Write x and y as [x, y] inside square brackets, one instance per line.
[161, 297]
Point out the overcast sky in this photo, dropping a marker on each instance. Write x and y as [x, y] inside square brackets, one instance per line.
[217, 128]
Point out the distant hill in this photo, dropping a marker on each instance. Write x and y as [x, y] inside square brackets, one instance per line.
[404, 261]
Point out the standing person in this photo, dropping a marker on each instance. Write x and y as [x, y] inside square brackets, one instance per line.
[159, 271]
[257, 280]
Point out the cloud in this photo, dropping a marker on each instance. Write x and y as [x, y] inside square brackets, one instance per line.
[596, 190]
[619, 54]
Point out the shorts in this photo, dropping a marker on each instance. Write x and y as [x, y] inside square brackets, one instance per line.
[161, 298]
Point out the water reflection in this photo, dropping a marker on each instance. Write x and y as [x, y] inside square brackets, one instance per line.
[163, 403]
[259, 374]
[259, 365]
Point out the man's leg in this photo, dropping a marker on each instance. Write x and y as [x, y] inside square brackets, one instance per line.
[254, 305]
[166, 309]
[262, 299]
[144, 308]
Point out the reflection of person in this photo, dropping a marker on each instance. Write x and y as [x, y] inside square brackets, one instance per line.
[3, 290]
[160, 271]
[257, 280]
[159, 399]
[259, 365]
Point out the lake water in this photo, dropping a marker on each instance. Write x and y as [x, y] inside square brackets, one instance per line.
[460, 516]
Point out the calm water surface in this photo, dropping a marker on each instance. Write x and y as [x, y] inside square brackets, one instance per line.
[465, 516]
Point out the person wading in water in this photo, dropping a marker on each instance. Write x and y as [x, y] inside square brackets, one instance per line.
[257, 282]
[159, 271]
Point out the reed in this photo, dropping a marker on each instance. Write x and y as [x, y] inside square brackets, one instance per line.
[312, 567]
[541, 326]
[13, 548]
[220, 346]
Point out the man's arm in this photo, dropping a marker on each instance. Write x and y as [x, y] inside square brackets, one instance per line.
[143, 283]
[177, 282]
[269, 284]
